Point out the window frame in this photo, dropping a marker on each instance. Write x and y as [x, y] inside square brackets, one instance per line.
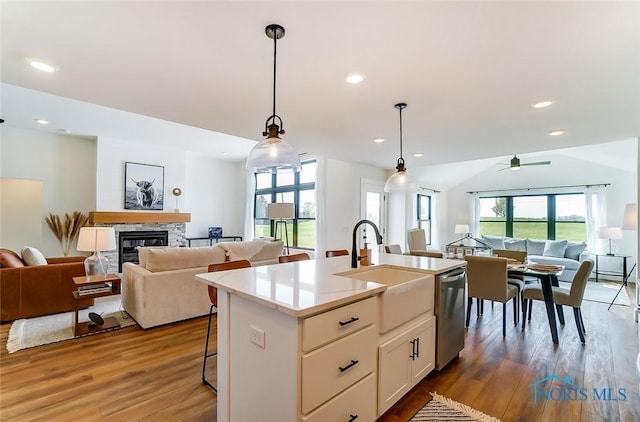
[429, 212]
[294, 188]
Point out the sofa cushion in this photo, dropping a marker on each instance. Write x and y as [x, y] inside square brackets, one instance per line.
[535, 246]
[253, 250]
[496, 242]
[143, 252]
[574, 249]
[32, 257]
[10, 259]
[555, 248]
[181, 258]
[515, 244]
[271, 250]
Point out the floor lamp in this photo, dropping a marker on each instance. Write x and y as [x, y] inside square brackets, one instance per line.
[281, 211]
[629, 222]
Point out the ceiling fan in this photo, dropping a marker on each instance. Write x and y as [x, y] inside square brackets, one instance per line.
[515, 164]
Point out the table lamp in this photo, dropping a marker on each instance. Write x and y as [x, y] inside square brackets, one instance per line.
[96, 239]
[281, 211]
[610, 233]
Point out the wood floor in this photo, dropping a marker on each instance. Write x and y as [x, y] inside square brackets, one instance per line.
[154, 375]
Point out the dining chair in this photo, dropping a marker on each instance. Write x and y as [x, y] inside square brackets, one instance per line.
[293, 258]
[517, 280]
[561, 296]
[337, 252]
[430, 254]
[395, 249]
[213, 297]
[417, 240]
[487, 279]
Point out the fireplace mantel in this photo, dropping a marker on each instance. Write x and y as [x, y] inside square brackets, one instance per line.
[116, 217]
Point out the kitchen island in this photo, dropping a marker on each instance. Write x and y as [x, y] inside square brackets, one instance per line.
[301, 341]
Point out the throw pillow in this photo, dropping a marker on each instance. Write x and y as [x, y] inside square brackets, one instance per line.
[515, 244]
[32, 256]
[10, 259]
[496, 242]
[535, 247]
[574, 249]
[555, 248]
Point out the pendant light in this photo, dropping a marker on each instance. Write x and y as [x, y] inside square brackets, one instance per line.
[272, 154]
[399, 181]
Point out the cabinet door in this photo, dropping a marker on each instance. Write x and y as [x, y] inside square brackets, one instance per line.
[394, 370]
[424, 361]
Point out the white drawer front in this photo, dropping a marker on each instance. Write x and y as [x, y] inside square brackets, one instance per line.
[358, 401]
[332, 368]
[323, 328]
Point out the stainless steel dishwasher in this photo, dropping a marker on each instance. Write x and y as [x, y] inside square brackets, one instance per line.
[449, 315]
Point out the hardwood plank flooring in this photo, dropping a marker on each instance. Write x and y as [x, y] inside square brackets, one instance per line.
[154, 375]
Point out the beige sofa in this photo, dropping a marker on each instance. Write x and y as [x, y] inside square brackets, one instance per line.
[163, 289]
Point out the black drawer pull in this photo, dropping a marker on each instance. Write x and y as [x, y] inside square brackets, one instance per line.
[413, 349]
[353, 319]
[417, 347]
[353, 417]
[344, 368]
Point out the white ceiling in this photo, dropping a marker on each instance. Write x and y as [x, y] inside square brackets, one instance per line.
[469, 72]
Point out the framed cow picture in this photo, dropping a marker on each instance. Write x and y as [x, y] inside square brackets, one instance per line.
[143, 187]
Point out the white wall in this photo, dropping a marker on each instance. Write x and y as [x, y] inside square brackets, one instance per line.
[66, 166]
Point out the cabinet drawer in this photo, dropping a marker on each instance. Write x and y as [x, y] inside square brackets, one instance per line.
[332, 368]
[357, 401]
[323, 328]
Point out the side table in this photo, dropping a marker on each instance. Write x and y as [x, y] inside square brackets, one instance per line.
[84, 328]
[622, 274]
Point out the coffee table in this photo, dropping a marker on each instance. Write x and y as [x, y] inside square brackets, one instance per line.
[87, 327]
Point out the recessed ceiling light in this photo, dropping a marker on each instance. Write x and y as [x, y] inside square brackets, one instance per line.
[542, 104]
[378, 140]
[355, 78]
[45, 67]
[41, 121]
[418, 154]
[556, 133]
[225, 153]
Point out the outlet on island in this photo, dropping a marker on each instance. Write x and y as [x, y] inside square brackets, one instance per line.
[256, 336]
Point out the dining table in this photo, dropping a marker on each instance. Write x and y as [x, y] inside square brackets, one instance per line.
[548, 276]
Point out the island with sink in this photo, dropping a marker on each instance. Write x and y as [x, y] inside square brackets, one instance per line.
[319, 340]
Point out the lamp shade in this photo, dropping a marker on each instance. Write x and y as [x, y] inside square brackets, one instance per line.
[273, 155]
[610, 233]
[462, 229]
[630, 218]
[94, 239]
[280, 210]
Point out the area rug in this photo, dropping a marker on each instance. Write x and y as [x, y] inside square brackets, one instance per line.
[442, 409]
[31, 332]
[603, 291]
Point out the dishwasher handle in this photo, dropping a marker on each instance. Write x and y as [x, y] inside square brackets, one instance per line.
[452, 275]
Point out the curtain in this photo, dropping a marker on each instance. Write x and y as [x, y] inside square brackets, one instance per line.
[321, 194]
[596, 206]
[435, 220]
[474, 214]
[250, 203]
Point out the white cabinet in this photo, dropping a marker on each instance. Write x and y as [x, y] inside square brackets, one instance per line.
[404, 360]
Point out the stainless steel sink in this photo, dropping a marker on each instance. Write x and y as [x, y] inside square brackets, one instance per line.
[408, 294]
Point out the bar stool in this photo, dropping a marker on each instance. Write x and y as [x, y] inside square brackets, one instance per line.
[339, 252]
[293, 258]
[213, 296]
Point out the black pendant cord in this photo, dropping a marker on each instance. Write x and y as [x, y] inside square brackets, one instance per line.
[400, 134]
[275, 46]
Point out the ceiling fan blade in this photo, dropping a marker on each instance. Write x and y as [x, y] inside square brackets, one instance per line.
[539, 163]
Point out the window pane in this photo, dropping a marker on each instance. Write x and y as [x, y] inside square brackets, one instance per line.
[285, 179]
[424, 207]
[261, 205]
[373, 207]
[308, 172]
[307, 234]
[262, 228]
[263, 180]
[307, 208]
[530, 217]
[571, 217]
[493, 216]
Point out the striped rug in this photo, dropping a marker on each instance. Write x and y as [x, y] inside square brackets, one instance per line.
[442, 409]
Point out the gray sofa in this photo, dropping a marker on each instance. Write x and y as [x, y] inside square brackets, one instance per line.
[552, 252]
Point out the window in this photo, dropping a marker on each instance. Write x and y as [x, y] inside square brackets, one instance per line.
[547, 216]
[424, 215]
[297, 188]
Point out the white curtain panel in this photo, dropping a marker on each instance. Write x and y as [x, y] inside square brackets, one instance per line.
[474, 214]
[435, 223]
[321, 219]
[248, 212]
[596, 205]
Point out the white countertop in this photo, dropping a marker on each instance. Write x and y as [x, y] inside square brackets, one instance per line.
[307, 287]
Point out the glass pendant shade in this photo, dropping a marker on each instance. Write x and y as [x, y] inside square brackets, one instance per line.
[273, 155]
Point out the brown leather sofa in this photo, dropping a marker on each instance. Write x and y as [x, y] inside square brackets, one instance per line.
[30, 291]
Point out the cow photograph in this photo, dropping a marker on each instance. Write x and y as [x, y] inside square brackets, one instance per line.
[143, 187]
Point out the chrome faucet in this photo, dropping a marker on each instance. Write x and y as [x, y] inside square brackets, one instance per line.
[354, 253]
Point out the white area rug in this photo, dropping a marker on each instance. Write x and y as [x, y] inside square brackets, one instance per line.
[441, 409]
[603, 291]
[26, 333]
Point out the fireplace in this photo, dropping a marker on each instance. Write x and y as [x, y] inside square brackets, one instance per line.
[128, 241]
